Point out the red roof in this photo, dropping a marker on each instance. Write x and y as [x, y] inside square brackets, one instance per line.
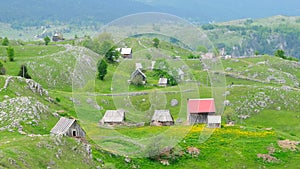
[201, 105]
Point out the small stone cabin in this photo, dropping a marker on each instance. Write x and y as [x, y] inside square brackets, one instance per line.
[67, 127]
[113, 117]
[138, 72]
[162, 118]
[214, 121]
[162, 82]
[199, 109]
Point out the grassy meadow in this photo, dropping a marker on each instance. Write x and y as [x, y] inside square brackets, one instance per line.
[265, 88]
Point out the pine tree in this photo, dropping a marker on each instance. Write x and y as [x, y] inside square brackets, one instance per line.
[102, 69]
[24, 72]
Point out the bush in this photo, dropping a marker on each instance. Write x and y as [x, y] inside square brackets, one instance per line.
[192, 56]
[57, 99]
[2, 69]
[5, 42]
[10, 53]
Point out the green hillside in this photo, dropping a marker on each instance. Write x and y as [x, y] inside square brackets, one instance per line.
[246, 36]
[262, 99]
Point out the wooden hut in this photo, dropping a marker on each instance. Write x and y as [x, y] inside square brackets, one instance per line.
[199, 109]
[57, 37]
[126, 53]
[67, 127]
[162, 118]
[162, 82]
[138, 72]
[113, 117]
[214, 121]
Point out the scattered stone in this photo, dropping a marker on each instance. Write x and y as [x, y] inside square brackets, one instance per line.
[267, 157]
[104, 101]
[226, 103]
[179, 120]
[268, 129]
[55, 115]
[261, 63]
[100, 160]
[256, 111]
[127, 159]
[98, 107]
[228, 69]
[227, 93]
[243, 116]
[12, 161]
[193, 151]
[286, 88]
[287, 144]
[89, 101]
[26, 110]
[278, 108]
[262, 103]
[174, 102]
[6, 97]
[165, 162]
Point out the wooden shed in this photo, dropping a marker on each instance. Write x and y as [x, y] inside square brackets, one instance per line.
[162, 82]
[138, 72]
[126, 53]
[162, 118]
[57, 37]
[199, 109]
[214, 121]
[113, 117]
[67, 127]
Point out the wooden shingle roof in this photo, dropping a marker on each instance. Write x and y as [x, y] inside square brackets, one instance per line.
[162, 116]
[62, 126]
[114, 116]
[137, 72]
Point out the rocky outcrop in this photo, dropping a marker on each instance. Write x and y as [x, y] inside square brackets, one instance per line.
[20, 110]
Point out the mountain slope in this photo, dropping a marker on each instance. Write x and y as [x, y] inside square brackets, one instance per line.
[246, 36]
[35, 13]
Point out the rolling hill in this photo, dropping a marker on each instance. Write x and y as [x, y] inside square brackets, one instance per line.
[262, 98]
